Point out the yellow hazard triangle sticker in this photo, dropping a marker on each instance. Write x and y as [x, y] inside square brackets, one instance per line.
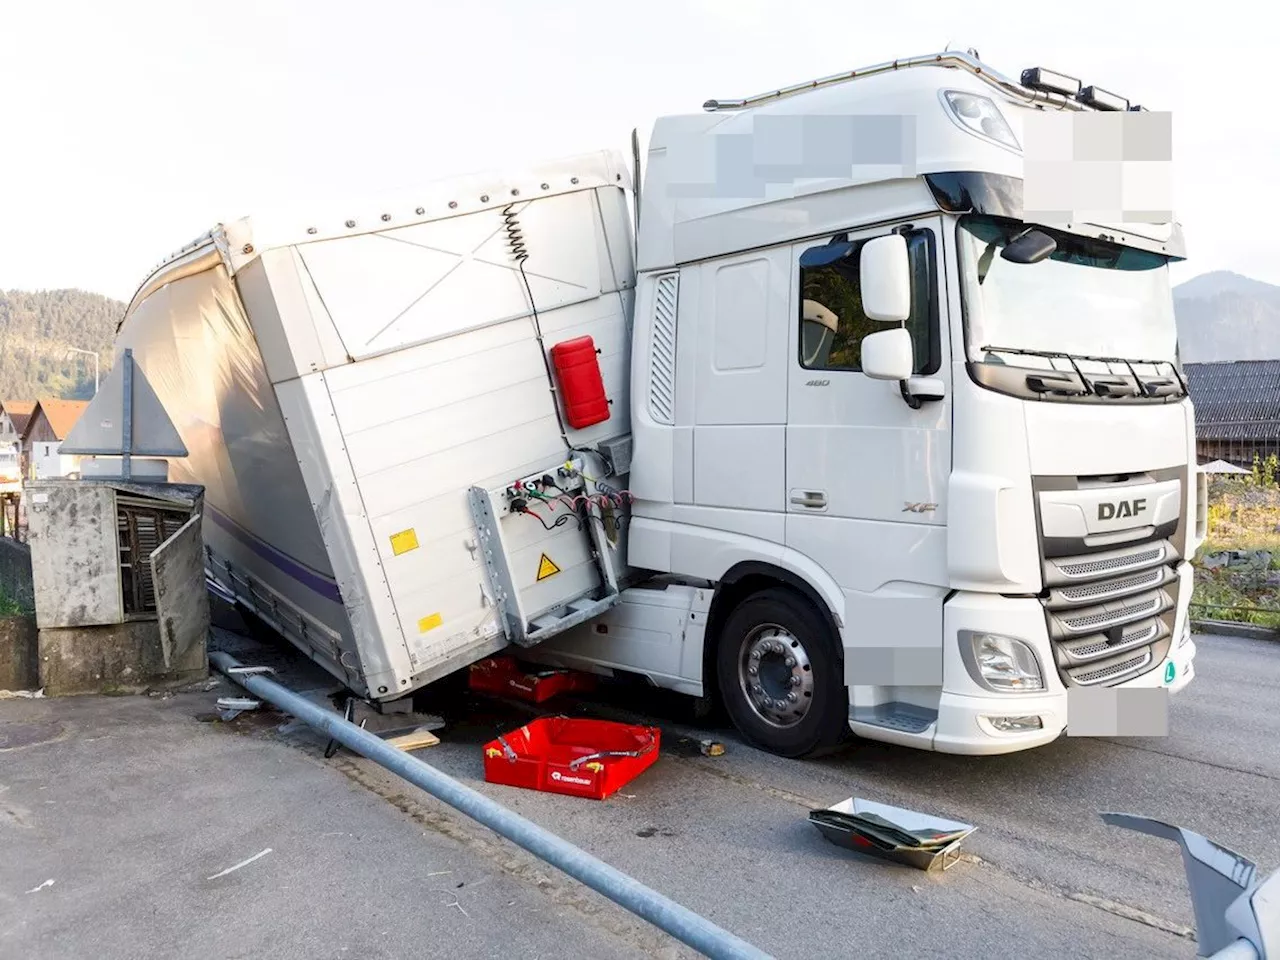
[547, 568]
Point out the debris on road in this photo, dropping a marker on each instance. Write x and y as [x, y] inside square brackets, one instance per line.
[242, 863]
[712, 748]
[504, 676]
[410, 737]
[413, 739]
[581, 758]
[892, 833]
[231, 707]
[1256, 559]
[22, 694]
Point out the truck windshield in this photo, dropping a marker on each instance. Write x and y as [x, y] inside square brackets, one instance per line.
[1088, 299]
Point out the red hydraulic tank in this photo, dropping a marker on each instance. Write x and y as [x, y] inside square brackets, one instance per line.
[581, 386]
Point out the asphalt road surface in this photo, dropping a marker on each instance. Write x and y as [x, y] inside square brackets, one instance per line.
[131, 831]
[728, 835]
[364, 864]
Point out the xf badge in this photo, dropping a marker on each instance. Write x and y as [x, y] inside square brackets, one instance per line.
[919, 508]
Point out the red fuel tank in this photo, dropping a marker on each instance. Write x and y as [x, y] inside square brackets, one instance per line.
[581, 386]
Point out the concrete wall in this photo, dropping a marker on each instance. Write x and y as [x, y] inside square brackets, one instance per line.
[120, 658]
[19, 666]
[15, 573]
[72, 531]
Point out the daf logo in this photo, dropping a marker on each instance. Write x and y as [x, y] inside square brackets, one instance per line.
[1125, 508]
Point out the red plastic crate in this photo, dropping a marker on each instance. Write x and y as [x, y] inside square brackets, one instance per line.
[502, 675]
[581, 758]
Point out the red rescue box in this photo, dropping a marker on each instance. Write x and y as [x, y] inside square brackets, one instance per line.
[581, 386]
[503, 676]
[581, 758]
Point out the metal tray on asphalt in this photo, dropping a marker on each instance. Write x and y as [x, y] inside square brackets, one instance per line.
[892, 833]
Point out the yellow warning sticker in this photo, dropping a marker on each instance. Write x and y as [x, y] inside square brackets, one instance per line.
[547, 568]
[430, 623]
[404, 541]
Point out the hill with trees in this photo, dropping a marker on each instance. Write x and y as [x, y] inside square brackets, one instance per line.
[37, 330]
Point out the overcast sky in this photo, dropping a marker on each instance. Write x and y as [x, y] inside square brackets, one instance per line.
[131, 127]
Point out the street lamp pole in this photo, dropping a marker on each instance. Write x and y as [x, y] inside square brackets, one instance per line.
[91, 353]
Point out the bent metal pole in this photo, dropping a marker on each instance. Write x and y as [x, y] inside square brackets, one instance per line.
[683, 924]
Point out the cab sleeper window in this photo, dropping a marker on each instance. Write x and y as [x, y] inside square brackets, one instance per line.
[832, 323]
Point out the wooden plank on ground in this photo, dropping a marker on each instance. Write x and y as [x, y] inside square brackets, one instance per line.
[412, 739]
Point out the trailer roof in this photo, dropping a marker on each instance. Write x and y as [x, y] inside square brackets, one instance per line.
[240, 241]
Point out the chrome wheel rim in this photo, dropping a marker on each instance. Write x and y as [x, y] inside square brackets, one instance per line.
[775, 675]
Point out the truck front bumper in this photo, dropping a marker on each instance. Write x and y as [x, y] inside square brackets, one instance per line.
[976, 721]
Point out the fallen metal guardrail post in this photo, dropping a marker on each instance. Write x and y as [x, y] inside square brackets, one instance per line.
[680, 922]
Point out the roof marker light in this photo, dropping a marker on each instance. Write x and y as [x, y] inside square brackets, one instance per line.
[1101, 99]
[1038, 78]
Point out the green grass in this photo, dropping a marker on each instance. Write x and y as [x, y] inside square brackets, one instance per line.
[1230, 596]
[1243, 515]
[10, 608]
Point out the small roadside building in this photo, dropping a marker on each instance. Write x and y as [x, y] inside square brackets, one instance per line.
[50, 422]
[1237, 410]
[14, 416]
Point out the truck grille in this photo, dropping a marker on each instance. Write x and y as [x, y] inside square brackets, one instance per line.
[1098, 646]
[1115, 672]
[1101, 590]
[1094, 619]
[1110, 614]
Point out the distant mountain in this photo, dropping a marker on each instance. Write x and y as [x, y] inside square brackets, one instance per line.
[1224, 316]
[36, 330]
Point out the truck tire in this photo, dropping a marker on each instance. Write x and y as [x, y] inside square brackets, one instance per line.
[780, 677]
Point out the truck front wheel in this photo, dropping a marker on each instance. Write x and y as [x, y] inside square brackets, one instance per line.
[779, 675]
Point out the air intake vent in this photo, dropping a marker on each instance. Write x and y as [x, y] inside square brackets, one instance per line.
[662, 352]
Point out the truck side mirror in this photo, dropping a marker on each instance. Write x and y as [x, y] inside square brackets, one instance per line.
[884, 273]
[888, 354]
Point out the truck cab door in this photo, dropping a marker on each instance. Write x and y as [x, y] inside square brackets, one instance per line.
[866, 473]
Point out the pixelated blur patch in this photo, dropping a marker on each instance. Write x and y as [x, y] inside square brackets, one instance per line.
[1098, 167]
[777, 154]
[1117, 712]
[893, 666]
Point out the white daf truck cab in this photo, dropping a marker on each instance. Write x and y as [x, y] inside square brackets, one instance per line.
[907, 463]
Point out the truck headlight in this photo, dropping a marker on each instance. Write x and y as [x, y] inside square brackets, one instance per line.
[1002, 664]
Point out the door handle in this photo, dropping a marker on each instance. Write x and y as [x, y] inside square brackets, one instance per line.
[811, 498]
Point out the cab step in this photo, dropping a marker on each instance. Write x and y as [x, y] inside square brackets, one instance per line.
[902, 717]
